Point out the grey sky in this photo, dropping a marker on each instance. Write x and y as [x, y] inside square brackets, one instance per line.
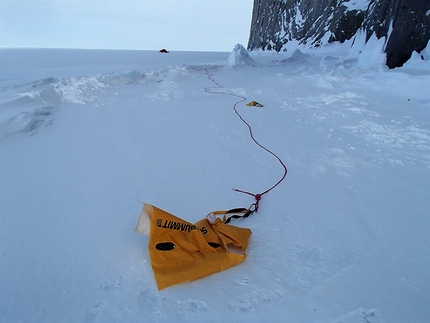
[125, 24]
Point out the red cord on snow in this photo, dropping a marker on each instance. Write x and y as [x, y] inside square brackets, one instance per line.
[242, 98]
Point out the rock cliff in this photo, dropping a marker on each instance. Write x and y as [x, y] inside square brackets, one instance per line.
[404, 23]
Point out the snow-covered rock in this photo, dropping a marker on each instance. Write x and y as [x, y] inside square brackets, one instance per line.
[405, 24]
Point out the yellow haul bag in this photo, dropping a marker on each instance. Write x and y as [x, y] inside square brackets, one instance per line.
[181, 251]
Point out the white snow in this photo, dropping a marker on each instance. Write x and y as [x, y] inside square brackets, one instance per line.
[372, 53]
[356, 4]
[425, 53]
[87, 136]
[299, 19]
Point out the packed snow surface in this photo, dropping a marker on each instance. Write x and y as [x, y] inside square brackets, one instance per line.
[87, 136]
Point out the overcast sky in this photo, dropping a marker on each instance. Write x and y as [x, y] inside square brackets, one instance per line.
[205, 25]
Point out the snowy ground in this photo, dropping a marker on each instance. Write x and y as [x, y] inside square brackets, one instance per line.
[87, 136]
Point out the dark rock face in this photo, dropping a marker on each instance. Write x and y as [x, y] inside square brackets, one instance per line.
[411, 31]
[405, 23]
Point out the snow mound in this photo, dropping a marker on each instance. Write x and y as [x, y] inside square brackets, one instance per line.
[33, 104]
[417, 62]
[27, 121]
[297, 57]
[372, 54]
[239, 56]
[358, 43]
[425, 53]
[78, 89]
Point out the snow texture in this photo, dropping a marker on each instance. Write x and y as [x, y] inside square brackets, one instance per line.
[87, 136]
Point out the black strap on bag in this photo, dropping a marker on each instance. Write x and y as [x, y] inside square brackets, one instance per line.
[239, 213]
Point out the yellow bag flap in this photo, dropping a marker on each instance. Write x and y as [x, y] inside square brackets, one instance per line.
[181, 251]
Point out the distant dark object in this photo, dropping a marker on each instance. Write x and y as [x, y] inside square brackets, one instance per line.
[404, 23]
[163, 51]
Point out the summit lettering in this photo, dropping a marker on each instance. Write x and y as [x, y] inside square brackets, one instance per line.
[173, 225]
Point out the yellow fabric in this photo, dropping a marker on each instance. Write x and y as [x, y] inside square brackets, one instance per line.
[254, 104]
[181, 251]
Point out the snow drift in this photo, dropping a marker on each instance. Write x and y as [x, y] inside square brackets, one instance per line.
[86, 138]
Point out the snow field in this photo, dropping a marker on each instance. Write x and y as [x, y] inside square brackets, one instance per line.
[343, 239]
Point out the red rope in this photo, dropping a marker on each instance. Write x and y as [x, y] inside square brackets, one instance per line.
[242, 98]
